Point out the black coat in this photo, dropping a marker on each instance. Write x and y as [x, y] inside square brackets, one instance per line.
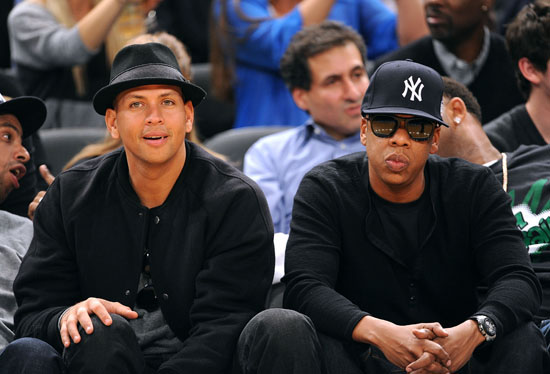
[340, 267]
[211, 246]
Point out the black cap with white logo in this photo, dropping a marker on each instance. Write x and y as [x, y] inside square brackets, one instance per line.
[405, 87]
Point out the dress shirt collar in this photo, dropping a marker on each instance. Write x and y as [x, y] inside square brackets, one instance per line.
[458, 69]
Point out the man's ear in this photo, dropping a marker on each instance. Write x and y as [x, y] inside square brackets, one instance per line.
[455, 111]
[300, 97]
[111, 122]
[189, 116]
[435, 140]
[364, 129]
[529, 71]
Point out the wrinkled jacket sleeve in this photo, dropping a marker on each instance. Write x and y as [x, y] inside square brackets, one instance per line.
[313, 258]
[47, 282]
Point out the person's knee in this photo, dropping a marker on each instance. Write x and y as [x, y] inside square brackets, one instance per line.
[30, 355]
[278, 329]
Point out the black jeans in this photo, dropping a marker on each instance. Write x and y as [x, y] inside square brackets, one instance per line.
[286, 342]
[30, 356]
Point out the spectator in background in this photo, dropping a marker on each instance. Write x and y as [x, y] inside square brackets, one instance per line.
[324, 69]
[523, 173]
[462, 47]
[61, 51]
[250, 37]
[528, 39]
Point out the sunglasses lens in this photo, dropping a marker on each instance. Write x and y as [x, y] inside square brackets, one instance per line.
[383, 126]
[420, 129]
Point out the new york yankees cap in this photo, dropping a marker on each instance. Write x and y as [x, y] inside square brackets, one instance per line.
[405, 87]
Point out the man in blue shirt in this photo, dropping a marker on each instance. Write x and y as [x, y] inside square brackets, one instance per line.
[250, 36]
[324, 69]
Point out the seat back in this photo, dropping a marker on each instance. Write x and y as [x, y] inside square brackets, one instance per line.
[61, 144]
[212, 116]
[235, 142]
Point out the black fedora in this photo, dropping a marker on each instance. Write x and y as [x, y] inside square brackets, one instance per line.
[29, 110]
[144, 64]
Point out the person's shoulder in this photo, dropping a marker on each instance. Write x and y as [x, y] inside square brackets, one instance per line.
[279, 141]
[451, 169]
[209, 174]
[342, 169]
[416, 51]
[501, 130]
[15, 231]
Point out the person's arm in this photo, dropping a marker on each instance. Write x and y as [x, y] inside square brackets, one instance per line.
[314, 11]
[411, 23]
[260, 39]
[260, 166]
[233, 283]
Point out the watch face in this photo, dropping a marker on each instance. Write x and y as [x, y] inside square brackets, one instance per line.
[489, 327]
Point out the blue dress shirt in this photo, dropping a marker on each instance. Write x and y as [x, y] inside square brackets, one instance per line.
[278, 163]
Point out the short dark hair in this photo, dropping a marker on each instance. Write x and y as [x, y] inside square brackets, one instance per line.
[529, 36]
[452, 88]
[311, 41]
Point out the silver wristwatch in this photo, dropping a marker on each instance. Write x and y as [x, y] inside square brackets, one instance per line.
[486, 327]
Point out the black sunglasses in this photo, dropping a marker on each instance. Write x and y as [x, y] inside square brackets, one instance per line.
[147, 297]
[418, 128]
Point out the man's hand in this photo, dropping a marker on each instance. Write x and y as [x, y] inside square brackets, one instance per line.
[80, 314]
[49, 178]
[402, 348]
[460, 343]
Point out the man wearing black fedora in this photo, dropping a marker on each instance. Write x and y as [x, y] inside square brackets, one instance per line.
[151, 258]
[386, 251]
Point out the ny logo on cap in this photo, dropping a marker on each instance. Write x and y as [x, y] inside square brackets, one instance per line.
[410, 85]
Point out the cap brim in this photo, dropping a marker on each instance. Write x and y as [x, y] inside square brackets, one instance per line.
[29, 110]
[401, 110]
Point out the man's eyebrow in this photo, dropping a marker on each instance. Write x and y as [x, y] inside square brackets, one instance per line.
[12, 126]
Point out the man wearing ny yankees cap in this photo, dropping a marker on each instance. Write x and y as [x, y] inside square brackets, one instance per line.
[151, 258]
[386, 251]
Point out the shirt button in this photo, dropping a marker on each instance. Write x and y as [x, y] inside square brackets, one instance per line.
[411, 284]
[412, 298]
[343, 146]
[140, 214]
[157, 220]
[165, 296]
[127, 292]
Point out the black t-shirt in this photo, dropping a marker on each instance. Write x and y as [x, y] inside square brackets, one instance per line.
[405, 225]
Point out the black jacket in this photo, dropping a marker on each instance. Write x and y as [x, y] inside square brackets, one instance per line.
[211, 245]
[494, 87]
[339, 266]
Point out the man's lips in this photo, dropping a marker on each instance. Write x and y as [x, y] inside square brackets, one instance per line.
[396, 162]
[155, 138]
[17, 172]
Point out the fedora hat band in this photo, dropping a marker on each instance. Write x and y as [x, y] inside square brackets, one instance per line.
[149, 71]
